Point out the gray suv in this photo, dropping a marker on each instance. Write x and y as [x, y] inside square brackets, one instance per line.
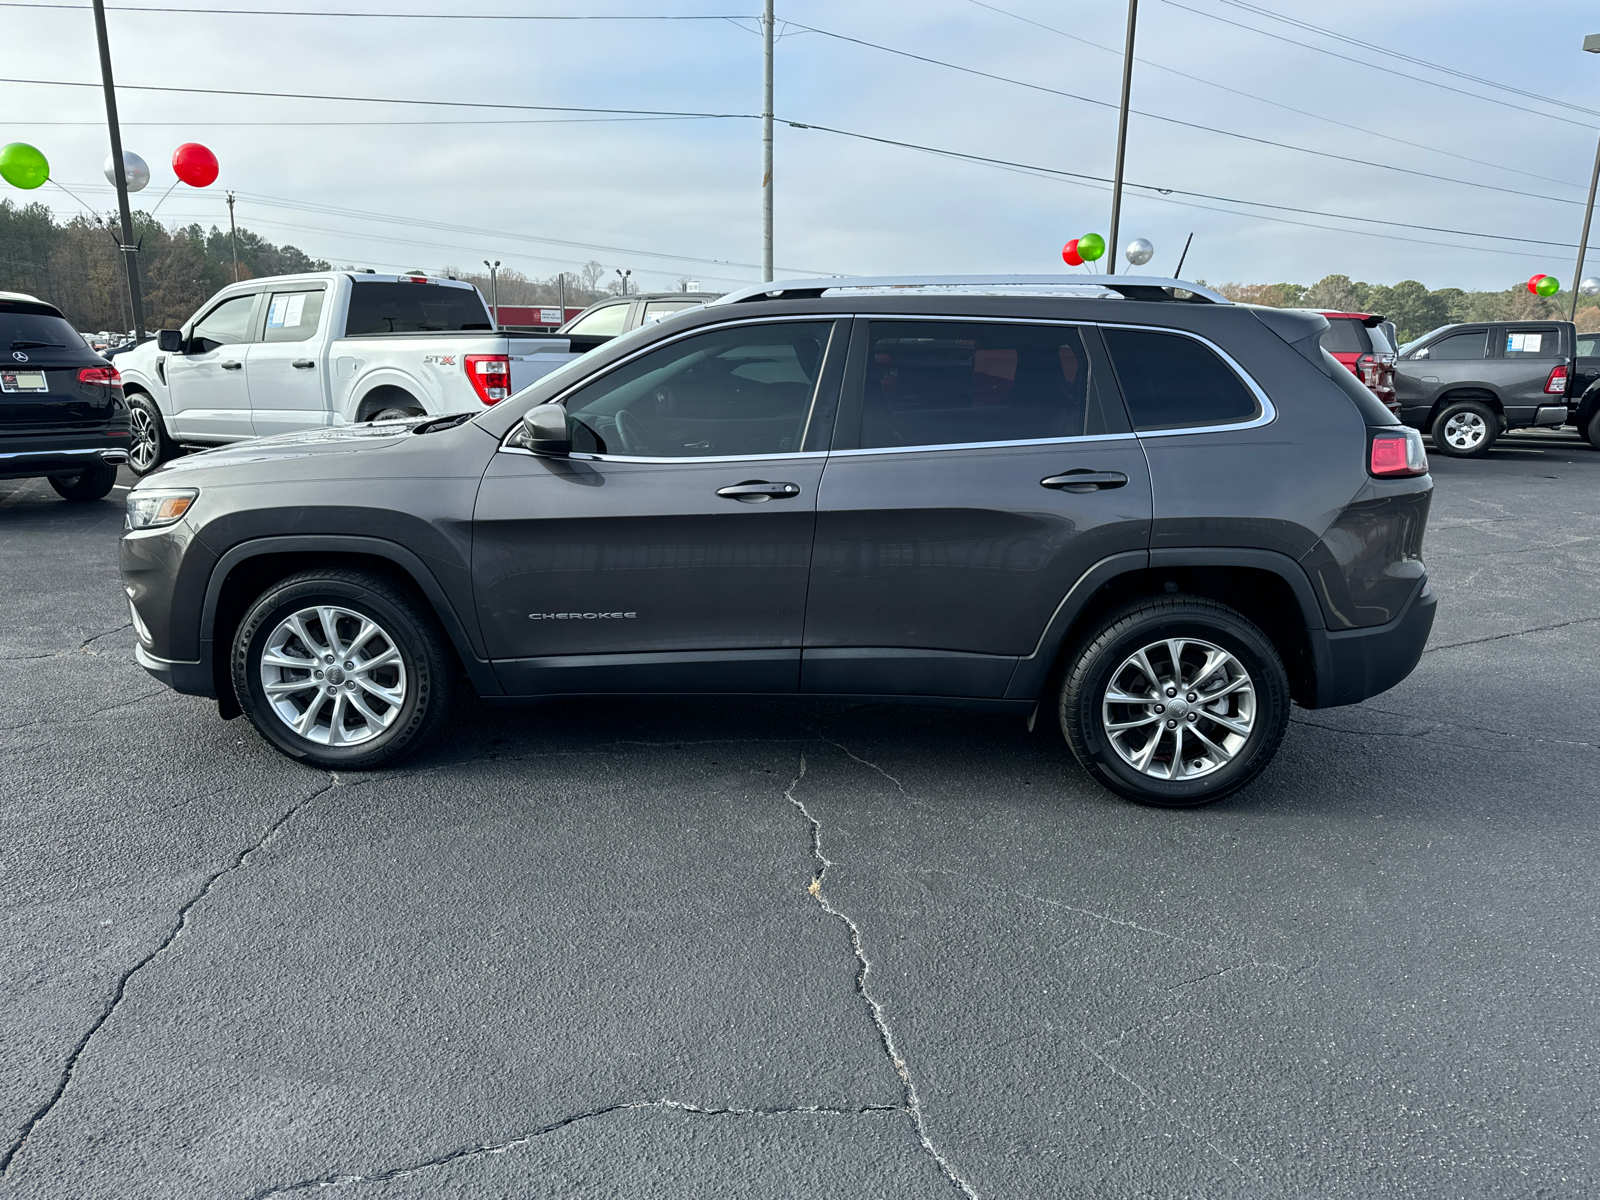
[1147, 514]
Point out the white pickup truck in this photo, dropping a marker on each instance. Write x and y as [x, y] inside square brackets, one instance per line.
[293, 352]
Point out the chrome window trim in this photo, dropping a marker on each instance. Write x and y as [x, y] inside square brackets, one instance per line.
[770, 319]
[581, 456]
[1269, 411]
[1061, 441]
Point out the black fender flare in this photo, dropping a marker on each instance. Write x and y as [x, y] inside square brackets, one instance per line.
[478, 668]
[1032, 672]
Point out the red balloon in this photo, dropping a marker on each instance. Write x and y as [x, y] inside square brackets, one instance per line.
[1533, 284]
[1070, 255]
[195, 165]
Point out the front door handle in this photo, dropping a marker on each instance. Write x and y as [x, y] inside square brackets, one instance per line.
[1084, 480]
[302, 364]
[230, 365]
[759, 491]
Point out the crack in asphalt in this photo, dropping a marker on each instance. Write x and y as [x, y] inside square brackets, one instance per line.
[84, 649]
[178, 926]
[1424, 734]
[93, 712]
[523, 1139]
[913, 1104]
[1499, 637]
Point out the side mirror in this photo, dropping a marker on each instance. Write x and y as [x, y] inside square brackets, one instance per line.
[544, 430]
[170, 341]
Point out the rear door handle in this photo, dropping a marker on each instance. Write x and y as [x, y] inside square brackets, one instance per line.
[303, 364]
[759, 491]
[1084, 480]
[230, 365]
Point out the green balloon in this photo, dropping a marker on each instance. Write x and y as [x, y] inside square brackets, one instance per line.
[1548, 286]
[21, 165]
[1091, 246]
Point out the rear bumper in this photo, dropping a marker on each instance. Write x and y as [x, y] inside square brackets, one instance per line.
[64, 454]
[1551, 414]
[190, 678]
[1353, 665]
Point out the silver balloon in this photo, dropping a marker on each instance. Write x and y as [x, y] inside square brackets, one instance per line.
[1590, 286]
[133, 166]
[1139, 251]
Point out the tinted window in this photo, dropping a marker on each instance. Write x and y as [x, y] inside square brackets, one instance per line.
[38, 334]
[1532, 343]
[603, 322]
[736, 391]
[1588, 346]
[1345, 335]
[946, 383]
[293, 316]
[413, 308]
[654, 310]
[1174, 382]
[1459, 345]
[225, 325]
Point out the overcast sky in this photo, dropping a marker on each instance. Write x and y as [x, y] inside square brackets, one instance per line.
[692, 187]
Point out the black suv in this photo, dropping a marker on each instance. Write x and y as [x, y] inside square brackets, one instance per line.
[1152, 514]
[62, 414]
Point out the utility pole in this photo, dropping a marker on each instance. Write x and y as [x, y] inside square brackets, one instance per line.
[561, 296]
[766, 146]
[1592, 45]
[494, 288]
[233, 236]
[128, 246]
[1122, 139]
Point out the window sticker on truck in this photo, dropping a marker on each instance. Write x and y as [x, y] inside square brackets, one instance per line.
[1524, 343]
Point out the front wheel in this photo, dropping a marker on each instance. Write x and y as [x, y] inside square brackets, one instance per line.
[151, 445]
[1175, 702]
[341, 669]
[94, 483]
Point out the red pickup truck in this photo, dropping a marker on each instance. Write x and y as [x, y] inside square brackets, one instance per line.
[1364, 342]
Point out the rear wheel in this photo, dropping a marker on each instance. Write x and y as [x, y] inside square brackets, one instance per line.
[1465, 429]
[1591, 431]
[396, 414]
[341, 669]
[1175, 702]
[151, 446]
[94, 483]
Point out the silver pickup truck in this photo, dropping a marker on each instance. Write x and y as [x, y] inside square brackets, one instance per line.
[293, 352]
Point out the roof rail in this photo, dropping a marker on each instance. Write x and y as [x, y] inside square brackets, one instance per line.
[1078, 287]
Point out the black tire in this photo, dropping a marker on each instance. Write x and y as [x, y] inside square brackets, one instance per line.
[94, 483]
[403, 621]
[1591, 431]
[1465, 429]
[396, 414]
[1102, 659]
[151, 444]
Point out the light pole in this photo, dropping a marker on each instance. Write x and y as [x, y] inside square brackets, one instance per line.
[1122, 139]
[1592, 45]
[128, 246]
[494, 289]
[623, 275]
[766, 145]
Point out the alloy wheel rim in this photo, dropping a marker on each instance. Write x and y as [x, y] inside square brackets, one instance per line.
[1465, 430]
[143, 451]
[333, 676]
[1179, 709]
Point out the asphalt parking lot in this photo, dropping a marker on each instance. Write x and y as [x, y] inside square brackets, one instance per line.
[655, 949]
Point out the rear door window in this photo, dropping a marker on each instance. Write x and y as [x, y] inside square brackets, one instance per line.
[953, 383]
[1532, 343]
[413, 308]
[293, 316]
[1589, 345]
[1460, 345]
[603, 322]
[1170, 381]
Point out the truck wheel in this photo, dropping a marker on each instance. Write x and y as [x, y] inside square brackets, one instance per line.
[1175, 702]
[395, 414]
[341, 669]
[1591, 431]
[1465, 429]
[151, 446]
[95, 483]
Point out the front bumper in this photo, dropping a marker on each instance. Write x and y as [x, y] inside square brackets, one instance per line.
[1355, 664]
[190, 678]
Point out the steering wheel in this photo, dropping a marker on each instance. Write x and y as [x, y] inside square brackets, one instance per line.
[630, 432]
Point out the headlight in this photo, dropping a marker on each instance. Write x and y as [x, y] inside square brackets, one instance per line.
[159, 506]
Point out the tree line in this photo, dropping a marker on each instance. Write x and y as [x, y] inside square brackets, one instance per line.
[1412, 307]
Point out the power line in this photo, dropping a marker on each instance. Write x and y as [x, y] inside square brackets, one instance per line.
[1481, 162]
[363, 124]
[1360, 62]
[387, 16]
[1346, 158]
[1366, 44]
[633, 112]
[1164, 193]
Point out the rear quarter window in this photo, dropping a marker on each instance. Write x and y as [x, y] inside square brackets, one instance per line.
[1170, 381]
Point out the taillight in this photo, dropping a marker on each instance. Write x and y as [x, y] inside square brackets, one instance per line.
[490, 375]
[1397, 452]
[104, 376]
[1368, 369]
[1556, 385]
